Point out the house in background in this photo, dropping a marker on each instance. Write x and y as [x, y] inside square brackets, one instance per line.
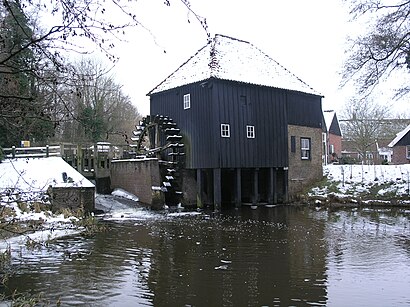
[401, 147]
[332, 138]
[252, 130]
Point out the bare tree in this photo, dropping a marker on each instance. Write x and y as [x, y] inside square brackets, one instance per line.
[32, 64]
[363, 123]
[384, 48]
[99, 110]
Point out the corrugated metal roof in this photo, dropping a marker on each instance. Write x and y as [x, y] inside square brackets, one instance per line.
[231, 59]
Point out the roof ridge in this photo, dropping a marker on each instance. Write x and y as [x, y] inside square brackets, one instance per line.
[233, 38]
[213, 59]
[399, 136]
[288, 71]
[237, 60]
[179, 67]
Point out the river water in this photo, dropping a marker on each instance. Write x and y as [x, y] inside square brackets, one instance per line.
[281, 256]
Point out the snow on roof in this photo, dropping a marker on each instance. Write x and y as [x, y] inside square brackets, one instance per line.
[328, 116]
[399, 136]
[37, 174]
[231, 59]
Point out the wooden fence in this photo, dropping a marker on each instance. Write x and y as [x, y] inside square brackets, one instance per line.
[93, 161]
[32, 152]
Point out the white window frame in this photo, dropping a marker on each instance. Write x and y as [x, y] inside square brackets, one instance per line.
[187, 101]
[305, 148]
[408, 151]
[331, 148]
[225, 131]
[250, 132]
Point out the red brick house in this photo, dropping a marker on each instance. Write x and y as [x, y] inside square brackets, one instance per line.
[401, 147]
[332, 138]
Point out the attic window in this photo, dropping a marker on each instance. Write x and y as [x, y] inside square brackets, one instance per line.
[187, 101]
[305, 148]
[243, 100]
[225, 132]
[250, 132]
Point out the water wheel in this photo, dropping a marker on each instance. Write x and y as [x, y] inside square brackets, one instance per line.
[159, 137]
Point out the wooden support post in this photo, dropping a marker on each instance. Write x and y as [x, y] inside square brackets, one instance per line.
[255, 198]
[13, 151]
[285, 184]
[199, 203]
[217, 188]
[96, 164]
[79, 156]
[61, 154]
[47, 151]
[275, 186]
[272, 198]
[238, 188]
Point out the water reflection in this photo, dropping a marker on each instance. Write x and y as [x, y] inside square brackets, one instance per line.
[283, 256]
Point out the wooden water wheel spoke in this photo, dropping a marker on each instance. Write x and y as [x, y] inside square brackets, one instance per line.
[158, 136]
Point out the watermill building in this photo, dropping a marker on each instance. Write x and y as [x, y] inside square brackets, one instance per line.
[252, 130]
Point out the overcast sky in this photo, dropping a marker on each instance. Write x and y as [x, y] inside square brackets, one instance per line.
[306, 37]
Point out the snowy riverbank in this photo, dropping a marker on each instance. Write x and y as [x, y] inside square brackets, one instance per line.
[362, 184]
[372, 184]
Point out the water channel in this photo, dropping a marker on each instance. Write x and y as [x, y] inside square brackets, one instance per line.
[282, 256]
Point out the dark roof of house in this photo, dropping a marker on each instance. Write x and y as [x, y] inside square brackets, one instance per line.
[227, 58]
[399, 136]
[331, 122]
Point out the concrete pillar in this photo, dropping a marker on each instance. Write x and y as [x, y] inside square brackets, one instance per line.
[217, 188]
[238, 188]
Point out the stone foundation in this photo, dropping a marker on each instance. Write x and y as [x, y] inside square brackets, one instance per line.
[139, 177]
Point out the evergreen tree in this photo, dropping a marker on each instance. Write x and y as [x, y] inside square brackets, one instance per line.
[23, 115]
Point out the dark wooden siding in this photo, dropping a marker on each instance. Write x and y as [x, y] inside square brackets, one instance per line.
[217, 102]
[304, 110]
[194, 122]
[240, 105]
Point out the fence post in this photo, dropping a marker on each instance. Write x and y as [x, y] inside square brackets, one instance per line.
[13, 151]
[47, 151]
[64, 156]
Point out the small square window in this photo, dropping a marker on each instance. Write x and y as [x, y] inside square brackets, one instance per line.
[187, 101]
[250, 132]
[225, 133]
[305, 148]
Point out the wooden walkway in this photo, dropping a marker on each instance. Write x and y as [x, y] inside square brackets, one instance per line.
[92, 161]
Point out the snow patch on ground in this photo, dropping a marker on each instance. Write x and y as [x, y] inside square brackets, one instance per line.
[124, 194]
[354, 180]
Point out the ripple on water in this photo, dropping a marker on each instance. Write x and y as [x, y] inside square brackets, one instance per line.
[163, 259]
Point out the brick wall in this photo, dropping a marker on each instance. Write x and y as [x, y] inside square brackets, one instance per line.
[301, 172]
[72, 198]
[138, 177]
[399, 155]
[336, 141]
